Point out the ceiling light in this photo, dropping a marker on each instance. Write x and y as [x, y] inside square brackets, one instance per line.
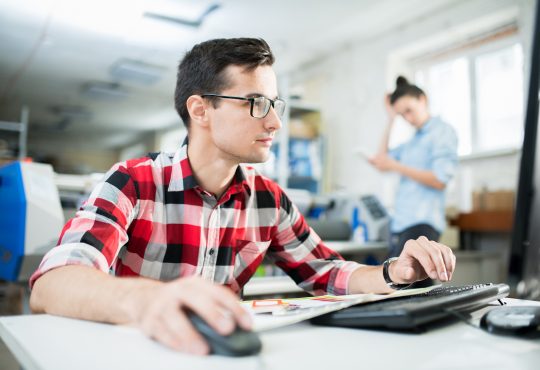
[195, 21]
[74, 112]
[104, 90]
[136, 71]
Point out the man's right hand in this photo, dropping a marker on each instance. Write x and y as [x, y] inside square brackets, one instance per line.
[160, 312]
[157, 308]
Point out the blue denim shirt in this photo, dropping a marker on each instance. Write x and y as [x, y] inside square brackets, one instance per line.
[432, 148]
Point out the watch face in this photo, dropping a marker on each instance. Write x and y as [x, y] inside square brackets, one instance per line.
[386, 275]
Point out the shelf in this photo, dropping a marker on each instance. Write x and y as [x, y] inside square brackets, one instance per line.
[299, 108]
[485, 221]
[299, 149]
[303, 178]
[21, 129]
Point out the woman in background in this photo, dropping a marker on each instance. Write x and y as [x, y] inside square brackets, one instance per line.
[425, 163]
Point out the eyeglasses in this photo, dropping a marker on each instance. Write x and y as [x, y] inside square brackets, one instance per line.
[259, 106]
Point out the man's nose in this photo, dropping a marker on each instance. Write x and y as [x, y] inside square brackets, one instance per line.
[272, 120]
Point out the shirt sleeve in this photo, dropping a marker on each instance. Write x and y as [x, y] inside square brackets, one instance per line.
[395, 153]
[99, 229]
[299, 251]
[444, 154]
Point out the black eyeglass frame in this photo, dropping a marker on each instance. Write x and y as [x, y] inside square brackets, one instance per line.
[252, 102]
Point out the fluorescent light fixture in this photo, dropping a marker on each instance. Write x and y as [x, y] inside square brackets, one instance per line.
[75, 112]
[191, 20]
[104, 90]
[136, 71]
[69, 114]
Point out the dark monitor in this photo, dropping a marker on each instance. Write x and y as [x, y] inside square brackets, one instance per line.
[524, 268]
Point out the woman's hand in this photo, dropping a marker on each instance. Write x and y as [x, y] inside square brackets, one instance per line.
[384, 162]
[389, 108]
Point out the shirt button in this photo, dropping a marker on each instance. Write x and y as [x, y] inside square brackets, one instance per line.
[211, 252]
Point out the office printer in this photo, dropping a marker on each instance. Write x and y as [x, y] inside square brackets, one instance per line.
[31, 217]
[375, 217]
[331, 215]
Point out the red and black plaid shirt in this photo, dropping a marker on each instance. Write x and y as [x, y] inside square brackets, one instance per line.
[149, 217]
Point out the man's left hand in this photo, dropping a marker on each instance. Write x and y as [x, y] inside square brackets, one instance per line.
[423, 258]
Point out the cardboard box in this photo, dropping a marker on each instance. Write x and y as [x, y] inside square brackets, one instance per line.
[500, 200]
[450, 237]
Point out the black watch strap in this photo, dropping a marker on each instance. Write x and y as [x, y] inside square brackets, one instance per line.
[386, 275]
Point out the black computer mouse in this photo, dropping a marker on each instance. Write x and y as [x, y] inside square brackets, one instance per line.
[519, 321]
[239, 343]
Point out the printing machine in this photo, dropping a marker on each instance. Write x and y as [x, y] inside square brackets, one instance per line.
[31, 217]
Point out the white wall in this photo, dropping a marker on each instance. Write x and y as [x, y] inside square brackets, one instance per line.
[349, 86]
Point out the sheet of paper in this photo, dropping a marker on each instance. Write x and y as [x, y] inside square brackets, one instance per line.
[294, 310]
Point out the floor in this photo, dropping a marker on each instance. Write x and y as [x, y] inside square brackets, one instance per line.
[13, 301]
[7, 361]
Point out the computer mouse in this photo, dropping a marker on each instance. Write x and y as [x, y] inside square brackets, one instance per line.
[239, 343]
[519, 321]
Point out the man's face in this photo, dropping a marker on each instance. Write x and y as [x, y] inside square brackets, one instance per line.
[238, 136]
[412, 109]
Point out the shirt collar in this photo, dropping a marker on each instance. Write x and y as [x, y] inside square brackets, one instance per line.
[426, 126]
[181, 174]
[182, 177]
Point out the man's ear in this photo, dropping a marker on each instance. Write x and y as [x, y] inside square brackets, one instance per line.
[196, 107]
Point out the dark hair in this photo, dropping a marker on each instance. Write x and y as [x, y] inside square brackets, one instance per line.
[403, 88]
[201, 70]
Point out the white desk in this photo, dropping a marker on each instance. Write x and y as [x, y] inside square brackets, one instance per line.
[53, 343]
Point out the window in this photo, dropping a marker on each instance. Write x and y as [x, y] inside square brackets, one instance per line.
[499, 98]
[450, 82]
[480, 93]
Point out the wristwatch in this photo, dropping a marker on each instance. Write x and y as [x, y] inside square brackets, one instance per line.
[386, 275]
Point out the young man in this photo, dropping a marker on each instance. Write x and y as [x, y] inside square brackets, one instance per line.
[188, 230]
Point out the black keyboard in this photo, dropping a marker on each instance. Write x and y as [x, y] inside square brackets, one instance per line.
[413, 312]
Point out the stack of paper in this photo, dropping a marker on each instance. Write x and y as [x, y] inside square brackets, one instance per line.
[274, 313]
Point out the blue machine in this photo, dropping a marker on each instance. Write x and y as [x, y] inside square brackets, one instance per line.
[31, 215]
